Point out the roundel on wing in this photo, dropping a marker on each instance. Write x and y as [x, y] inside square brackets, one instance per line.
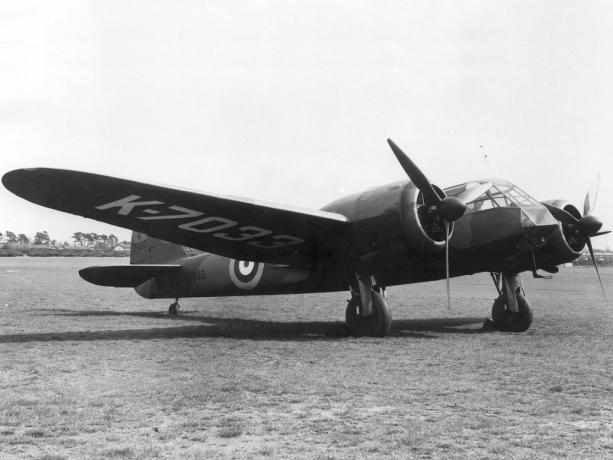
[245, 275]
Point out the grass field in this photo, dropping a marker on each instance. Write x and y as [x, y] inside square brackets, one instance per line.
[91, 372]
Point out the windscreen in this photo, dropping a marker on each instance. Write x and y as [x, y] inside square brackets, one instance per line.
[500, 194]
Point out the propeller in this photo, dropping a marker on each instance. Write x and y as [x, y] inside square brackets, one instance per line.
[449, 208]
[591, 224]
[591, 249]
[587, 227]
[591, 196]
[447, 265]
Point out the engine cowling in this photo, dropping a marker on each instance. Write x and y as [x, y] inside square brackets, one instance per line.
[391, 224]
[424, 230]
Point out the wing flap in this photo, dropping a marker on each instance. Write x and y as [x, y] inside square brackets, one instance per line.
[125, 275]
[232, 227]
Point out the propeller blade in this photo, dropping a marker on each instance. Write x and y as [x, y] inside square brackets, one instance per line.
[589, 246]
[415, 174]
[475, 192]
[447, 264]
[604, 232]
[449, 208]
[591, 196]
[562, 215]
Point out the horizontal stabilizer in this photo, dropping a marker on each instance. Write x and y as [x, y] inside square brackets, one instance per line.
[125, 275]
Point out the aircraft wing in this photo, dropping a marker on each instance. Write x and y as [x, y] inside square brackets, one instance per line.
[233, 227]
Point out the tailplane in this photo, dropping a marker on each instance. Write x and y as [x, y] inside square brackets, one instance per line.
[125, 275]
[149, 258]
[147, 250]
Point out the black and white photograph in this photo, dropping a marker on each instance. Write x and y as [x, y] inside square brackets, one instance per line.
[306, 229]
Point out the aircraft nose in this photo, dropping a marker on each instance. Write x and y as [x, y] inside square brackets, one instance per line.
[537, 224]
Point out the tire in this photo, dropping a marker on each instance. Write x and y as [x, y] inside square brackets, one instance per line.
[507, 321]
[377, 325]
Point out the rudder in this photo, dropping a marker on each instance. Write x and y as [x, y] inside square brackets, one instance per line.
[147, 250]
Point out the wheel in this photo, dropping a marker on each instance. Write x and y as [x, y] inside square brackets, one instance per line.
[174, 308]
[377, 325]
[507, 321]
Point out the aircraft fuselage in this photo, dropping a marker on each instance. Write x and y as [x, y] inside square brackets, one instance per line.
[391, 241]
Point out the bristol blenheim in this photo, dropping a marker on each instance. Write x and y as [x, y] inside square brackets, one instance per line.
[400, 233]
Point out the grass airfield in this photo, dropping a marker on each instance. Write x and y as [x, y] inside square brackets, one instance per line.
[91, 372]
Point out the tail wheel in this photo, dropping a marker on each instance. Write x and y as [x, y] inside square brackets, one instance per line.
[173, 309]
[376, 325]
[508, 321]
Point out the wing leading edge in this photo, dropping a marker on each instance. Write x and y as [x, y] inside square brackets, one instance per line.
[231, 227]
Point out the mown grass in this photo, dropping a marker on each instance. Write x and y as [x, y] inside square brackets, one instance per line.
[100, 373]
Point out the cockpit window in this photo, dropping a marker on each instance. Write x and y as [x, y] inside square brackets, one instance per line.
[500, 194]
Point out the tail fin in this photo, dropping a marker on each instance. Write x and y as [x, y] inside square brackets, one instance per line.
[147, 250]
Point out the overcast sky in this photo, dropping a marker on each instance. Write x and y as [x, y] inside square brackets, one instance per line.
[292, 101]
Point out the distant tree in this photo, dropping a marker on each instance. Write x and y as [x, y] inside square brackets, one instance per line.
[11, 237]
[42, 238]
[23, 239]
[78, 238]
[103, 240]
[112, 241]
[1, 237]
[89, 238]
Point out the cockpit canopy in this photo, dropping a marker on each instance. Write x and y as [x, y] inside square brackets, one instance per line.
[500, 194]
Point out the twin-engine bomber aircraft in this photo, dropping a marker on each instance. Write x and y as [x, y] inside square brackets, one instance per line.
[404, 232]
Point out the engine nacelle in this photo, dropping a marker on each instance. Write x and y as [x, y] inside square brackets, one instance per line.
[564, 246]
[423, 230]
[391, 224]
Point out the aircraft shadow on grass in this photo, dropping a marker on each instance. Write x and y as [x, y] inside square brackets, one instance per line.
[237, 328]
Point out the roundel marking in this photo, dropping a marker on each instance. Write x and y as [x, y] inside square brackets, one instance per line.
[245, 275]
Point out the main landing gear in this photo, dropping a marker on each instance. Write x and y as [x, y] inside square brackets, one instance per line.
[174, 307]
[367, 311]
[511, 311]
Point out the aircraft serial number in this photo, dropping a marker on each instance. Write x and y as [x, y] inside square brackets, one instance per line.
[219, 227]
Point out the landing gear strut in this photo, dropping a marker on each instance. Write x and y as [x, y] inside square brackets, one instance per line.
[367, 311]
[511, 311]
[174, 307]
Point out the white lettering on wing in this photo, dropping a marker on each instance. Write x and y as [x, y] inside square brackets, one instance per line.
[233, 230]
[126, 205]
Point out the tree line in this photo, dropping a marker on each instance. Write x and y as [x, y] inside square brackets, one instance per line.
[90, 239]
